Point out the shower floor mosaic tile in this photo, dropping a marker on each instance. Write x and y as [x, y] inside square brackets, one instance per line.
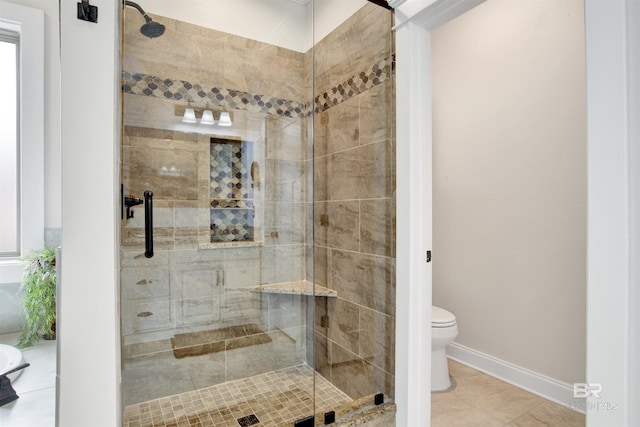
[276, 398]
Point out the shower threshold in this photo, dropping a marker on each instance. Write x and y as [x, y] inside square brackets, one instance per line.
[274, 398]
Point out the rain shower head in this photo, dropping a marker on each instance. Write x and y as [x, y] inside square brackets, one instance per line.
[150, 29]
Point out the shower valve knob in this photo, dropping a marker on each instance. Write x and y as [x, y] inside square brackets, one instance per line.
[129, 202]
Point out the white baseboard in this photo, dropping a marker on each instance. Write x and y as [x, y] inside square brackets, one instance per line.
[533, 382]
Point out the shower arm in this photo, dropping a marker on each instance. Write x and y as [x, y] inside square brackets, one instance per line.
[137, 6]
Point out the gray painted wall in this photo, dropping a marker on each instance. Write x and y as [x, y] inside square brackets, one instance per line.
[11, 315]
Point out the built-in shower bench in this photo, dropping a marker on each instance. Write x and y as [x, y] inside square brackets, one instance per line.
[301, 287]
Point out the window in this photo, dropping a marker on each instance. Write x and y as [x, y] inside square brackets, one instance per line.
[22, 169]
[9, 146]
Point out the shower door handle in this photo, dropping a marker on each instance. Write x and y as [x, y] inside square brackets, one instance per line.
[148, 223]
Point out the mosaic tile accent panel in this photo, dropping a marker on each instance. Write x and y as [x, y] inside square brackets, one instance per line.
[355, 85]
[229, 169]
[232, 213]
[276, 398]
[231, 225]
[180, 90]
[226, 203]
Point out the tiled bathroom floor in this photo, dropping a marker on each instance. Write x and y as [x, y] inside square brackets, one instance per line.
[36, 387]
[481, 400]
[281, 396]
[275, 398]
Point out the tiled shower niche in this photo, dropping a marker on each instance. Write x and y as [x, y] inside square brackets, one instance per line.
[233, 174]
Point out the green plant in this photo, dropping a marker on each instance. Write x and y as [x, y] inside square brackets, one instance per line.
[39, 302]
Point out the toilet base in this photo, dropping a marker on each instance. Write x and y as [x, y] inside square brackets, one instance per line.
[439, 370]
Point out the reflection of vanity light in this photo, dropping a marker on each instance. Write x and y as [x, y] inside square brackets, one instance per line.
[225, 119]
[172, 171]
[189, 116]
[207, 117]
[203, 116]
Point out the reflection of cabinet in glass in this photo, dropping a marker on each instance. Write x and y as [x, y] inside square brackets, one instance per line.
[231, 190]
[209, 292]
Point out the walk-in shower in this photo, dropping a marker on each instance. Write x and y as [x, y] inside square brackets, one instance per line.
[269, 298]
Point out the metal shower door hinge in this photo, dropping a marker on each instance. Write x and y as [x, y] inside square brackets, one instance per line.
[305, 422]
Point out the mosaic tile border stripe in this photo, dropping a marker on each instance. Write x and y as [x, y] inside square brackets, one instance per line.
[180, 90]
[377, 74]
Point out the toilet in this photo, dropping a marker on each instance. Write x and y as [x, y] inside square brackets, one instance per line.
[444, 329]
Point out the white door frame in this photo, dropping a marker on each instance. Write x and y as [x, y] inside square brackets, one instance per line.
[612, 306]
[609, 211]
[414, 21]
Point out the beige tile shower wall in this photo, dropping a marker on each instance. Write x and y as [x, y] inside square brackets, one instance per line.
[186, 286]
[352, 47]
[212, 58]
[510, 185]
[353, 217]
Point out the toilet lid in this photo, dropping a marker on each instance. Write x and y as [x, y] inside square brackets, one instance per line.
[441, 318]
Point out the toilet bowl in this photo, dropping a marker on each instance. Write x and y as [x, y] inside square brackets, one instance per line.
[444, 329]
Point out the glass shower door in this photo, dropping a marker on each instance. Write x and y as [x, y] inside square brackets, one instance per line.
[214, 323]
[353, 245]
